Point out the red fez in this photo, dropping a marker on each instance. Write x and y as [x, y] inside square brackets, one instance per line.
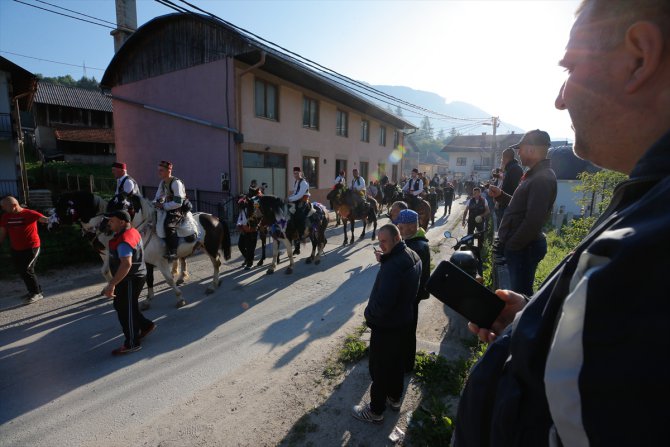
[296, 169]
[165, 164]
[119, 165]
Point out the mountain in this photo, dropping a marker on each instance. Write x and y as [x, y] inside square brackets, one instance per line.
[437, 103]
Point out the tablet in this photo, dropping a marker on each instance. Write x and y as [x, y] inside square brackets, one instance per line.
[464, 294]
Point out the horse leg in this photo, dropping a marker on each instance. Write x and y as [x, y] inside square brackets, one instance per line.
[184, 269]
[275, 256]
[289, 251]
[150, 282]
[179, 271]
[313, 240]
[215, 278]
[344, 223]
[365, 227]
[352, 222]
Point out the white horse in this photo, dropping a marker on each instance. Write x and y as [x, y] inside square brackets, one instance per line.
[88, 210]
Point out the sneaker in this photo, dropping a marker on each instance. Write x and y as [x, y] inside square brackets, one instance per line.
[364, 413]
[31, 298]
[147, 331]
[394, 404]
[125, 350]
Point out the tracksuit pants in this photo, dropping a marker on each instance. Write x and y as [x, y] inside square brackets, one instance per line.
[386, 365]
[24, 262]
[128, 310]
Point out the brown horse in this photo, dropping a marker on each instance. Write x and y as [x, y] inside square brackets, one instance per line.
[423, 209]
[349, 204]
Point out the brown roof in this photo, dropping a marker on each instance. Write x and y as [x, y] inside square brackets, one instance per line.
[79, 98]
[86, 135]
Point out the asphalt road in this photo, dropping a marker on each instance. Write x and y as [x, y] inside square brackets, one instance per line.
[61, 386]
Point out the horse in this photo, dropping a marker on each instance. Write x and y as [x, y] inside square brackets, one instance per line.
[431, 198]
[392, 194]
[349, 204]
[88, 209]
[422, 208]
[251, 229]
[282, 227]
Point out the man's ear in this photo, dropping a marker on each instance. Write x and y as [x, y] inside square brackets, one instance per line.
[644, 48]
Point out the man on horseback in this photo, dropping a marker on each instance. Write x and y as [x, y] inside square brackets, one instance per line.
[358, 185]
[126, 194]
[170, 199]
[413, 188]
[299, 198]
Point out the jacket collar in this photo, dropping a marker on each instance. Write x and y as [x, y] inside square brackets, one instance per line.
[656, 161]
[400, 246]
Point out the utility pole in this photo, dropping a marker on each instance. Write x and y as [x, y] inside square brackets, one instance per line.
[495, 122]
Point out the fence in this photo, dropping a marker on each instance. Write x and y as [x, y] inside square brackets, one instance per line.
[9, 187]
[65, 181]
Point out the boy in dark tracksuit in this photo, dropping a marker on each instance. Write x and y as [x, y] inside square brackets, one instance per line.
[126, 262]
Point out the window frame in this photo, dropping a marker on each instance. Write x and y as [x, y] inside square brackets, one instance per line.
[315, 183]
[311, 113]
[382, 136]
[342, 130]
[265, 114]
[365, 131]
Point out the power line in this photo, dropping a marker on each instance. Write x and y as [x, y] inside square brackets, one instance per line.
[71, 16]
[53, 62]
[314, 65]
[85, 15]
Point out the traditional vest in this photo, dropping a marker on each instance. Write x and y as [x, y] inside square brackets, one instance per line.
[414, 184]
[475, 209]
[131, 237]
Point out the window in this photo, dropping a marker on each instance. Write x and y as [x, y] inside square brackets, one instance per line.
[266, 100]
[382, 136]
[461, 161]
[396, 139]
[486, 161]
[310, 113]
[340, 165]
[310, 169]
[365, 131]
[342, 126]
[364, 170]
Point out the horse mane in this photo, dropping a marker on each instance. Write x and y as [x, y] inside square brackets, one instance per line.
[86, 204]
[271, 206]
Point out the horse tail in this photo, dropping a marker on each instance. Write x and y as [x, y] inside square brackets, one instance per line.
[225, 241]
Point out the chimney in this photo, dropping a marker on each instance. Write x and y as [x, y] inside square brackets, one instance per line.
[126, 20]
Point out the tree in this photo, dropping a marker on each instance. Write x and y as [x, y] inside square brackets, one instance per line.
[597, 189]
[69, 81]
[426, 128]
[440, 135]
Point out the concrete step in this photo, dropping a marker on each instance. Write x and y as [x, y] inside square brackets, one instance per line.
[40, 199]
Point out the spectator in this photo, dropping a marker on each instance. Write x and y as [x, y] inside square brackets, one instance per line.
[511, 176]
[520, 231]
[476, 212]
[126, 263]
[21, 226]
[448, 198]
[415, 238]
[575, 355]
[389, 316]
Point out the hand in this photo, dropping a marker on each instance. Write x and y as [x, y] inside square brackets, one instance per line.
[108, 291]
[159, 205]
[378, 254]
[514, 303]
[494, 191]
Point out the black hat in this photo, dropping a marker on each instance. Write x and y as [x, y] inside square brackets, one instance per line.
[535, 137]
[119, 214]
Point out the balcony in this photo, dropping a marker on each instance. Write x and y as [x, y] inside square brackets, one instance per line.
[483, 168]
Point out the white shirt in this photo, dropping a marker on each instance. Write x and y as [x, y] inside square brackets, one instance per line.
[409, 187]
[358, 183]
[340, 180]
[300, 189]
[178, 190]
[128, 186]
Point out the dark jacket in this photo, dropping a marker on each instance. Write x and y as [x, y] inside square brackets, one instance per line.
[513, 173]
[530, 207]
[394, 292]
[419, 244]
[575, 356]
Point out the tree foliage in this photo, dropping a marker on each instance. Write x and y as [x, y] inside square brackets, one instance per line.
[69, 81]
[597, 189]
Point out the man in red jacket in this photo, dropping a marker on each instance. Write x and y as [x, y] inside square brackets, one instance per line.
[21, 226]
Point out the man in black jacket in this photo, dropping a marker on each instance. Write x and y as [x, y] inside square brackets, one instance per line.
[389, 316]
[512, 173]
[561, 371]
[415, 238]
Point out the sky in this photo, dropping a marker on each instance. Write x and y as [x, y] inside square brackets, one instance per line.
[498, 55]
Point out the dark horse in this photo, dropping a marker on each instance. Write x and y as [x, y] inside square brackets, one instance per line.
[251, 231]
[282, 227]
[422, 208]
[349, 204]
[87, 209]
[392, 194]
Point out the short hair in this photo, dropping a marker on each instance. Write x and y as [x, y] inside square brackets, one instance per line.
[508, 153]
[391, 229]
[618, 15]
[476, 188]
[400, 204]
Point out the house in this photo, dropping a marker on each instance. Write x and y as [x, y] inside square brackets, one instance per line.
[17, 86]
[73, 124]
[225, 108]
[431, 163]
[567, 167]
[471, 156]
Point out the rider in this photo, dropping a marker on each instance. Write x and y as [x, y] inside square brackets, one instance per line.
[126, 194]
[413, 188]
[339, 185]
[299, 198]
[358, 185]
[170, 198]
[253, 189]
